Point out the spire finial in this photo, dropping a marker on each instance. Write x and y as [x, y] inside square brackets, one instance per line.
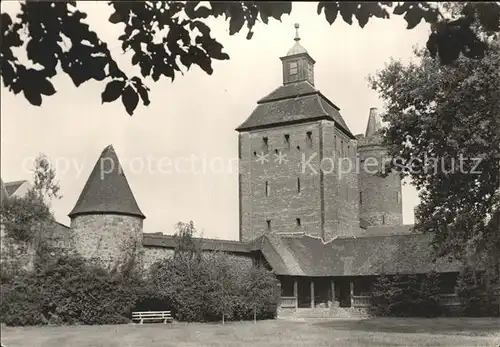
[297, 37]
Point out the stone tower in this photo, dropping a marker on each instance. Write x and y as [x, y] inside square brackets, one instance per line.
[289, 148]
[380, 200]
[106, 221]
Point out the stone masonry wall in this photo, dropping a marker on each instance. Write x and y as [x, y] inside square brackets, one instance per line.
[151, 255]
[287, 207]
[107, 238]
[381, 197]
[340, 183]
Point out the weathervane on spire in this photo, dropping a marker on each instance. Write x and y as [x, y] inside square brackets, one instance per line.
[297, 37]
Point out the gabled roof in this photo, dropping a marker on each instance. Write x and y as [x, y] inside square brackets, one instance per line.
[12, 187]
[293, 103]
[309, 256]
[170, 241]
[303, 255]
[107, 190]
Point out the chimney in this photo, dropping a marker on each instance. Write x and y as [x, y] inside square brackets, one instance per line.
[374, 122]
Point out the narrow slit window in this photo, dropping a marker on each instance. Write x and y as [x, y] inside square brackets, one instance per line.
[298, 184]
[287, 141]
[267, 189]
[398, 196]
[361, 198]
[268, 225]
[298, 222]
[383, 219]
[266, 142]
[309, 138]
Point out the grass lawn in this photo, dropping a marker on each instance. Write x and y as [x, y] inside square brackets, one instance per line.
[386, 332]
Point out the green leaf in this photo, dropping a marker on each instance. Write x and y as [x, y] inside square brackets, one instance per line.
[112, 91]
[362, 15]
[45, 87]
[489, 15]
[115, 17]
[34, 97]
[237, 20]
[347, 10]
[401, 9]
[331, 11]
[414, 16]
[130, 99]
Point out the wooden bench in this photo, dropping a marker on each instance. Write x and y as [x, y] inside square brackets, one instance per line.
[164, 316]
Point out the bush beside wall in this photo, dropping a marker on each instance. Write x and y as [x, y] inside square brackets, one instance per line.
[212, 288]
[406, 296]
[70, 290]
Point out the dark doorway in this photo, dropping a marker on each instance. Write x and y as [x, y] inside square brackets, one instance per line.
[304, 292]
[343, 292]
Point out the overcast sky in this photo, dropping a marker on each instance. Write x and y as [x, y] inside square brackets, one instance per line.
[196, 115]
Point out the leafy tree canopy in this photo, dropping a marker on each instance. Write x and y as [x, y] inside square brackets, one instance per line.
[443, 133]
[160, 34]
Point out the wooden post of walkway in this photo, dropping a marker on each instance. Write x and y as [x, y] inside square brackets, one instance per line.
[351, 282]
[332, 285]
[296, 293]
[312, 293]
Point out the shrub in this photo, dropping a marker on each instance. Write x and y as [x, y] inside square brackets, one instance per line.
[68, 290]
[214, 287]
[406, 295]
[476, 297]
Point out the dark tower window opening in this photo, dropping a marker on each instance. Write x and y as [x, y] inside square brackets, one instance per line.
[341, 148]
[298, 222]
[287, 141]
[276, 151]
[268, 224]
[254, 153]
[267, 189]
[298, 148]
[383, 219]
[361, 198]
[266, 144]
[293, 68]
[309, 138]
[298, 184]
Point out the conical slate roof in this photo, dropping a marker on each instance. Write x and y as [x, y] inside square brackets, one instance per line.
[3, 192]
[107, 190]
[374, 123]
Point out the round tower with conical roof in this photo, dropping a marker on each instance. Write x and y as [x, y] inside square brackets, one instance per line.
[380, 200]
[106, 221]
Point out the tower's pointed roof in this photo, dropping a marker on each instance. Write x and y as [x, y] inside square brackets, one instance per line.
[374, 123]
[107, 190]
[3, 192]
[297, 48]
